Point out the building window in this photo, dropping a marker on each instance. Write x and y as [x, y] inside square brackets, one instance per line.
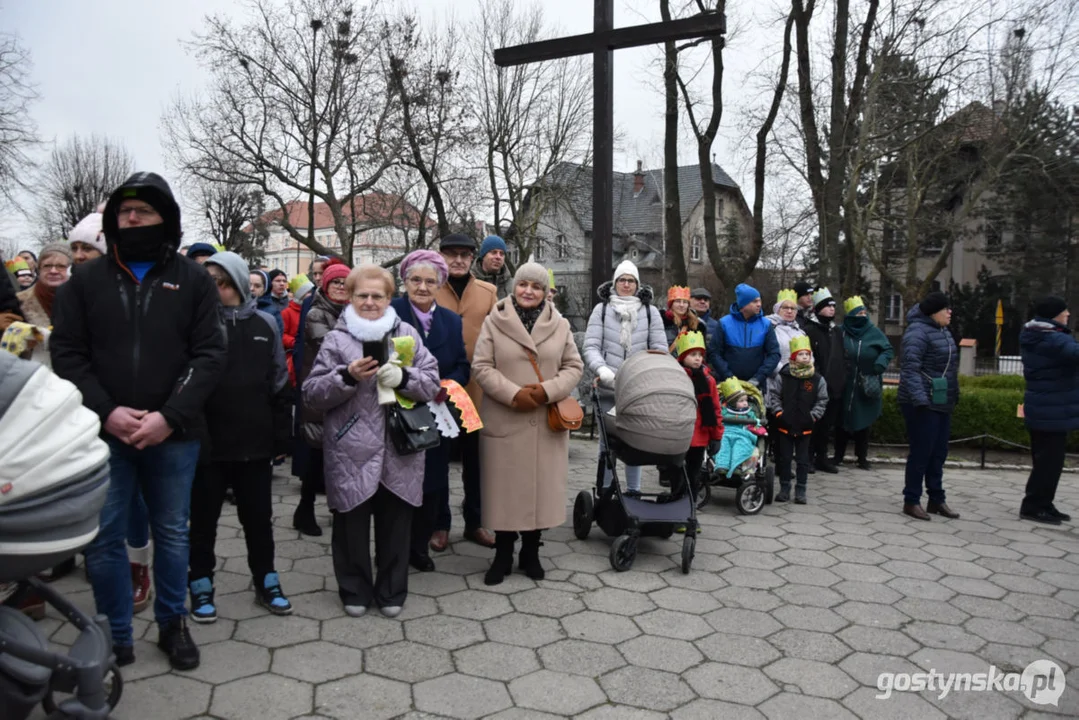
[561, 247]
[539, 252]
[893, 311]
[719, 208]
[695, 252]
[514, 254]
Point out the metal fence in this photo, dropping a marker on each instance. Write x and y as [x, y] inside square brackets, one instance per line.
[1003, 365]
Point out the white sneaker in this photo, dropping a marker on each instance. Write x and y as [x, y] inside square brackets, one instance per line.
[391, 611]
[355, 610]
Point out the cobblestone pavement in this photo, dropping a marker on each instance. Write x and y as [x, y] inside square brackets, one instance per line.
[789, 614]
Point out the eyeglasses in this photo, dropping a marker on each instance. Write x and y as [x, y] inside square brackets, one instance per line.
[57, 267]
[364, 297]
[627, 281]
[424, 282]
[337, 283]
[143, 211]
[458, 255]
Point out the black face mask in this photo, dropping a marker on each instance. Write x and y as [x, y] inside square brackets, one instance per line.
[141, 244]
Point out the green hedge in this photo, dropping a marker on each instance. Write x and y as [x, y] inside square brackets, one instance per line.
[983, 409]
[994, 382]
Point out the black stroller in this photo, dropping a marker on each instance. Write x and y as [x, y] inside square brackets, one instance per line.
[53, 485]
[654, 399]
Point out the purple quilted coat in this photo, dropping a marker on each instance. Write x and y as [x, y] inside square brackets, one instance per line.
[361, 456]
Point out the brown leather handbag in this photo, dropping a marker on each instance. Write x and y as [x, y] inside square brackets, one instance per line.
[564, 415]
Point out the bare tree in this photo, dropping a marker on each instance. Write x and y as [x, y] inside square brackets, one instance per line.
[530, 117]
[75, 179]
[298, 107]
[18, 133]
[234, 218]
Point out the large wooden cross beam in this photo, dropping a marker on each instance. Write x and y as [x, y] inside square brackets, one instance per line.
[602, 42]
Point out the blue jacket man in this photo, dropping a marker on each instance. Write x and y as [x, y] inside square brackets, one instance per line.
[744, 345]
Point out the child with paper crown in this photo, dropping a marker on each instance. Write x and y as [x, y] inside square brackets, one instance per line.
[690, 349]
[741, 427]
[797, 397]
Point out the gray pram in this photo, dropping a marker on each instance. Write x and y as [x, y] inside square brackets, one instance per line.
[655, 411]
[53, 484]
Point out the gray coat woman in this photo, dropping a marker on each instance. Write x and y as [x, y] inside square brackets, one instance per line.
[623, 323]
[365, 477]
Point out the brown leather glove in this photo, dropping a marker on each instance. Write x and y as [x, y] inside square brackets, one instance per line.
[539, 395]
[6, 318]
[523, 402]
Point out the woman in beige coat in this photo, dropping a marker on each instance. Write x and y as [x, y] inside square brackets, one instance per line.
[524, 462]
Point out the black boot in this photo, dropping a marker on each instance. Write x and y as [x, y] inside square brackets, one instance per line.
[529, 559]
[502, 565]
[304, 517]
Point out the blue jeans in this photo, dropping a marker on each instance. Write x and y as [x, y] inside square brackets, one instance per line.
[928, 432]
[163, 474]
[138, 524]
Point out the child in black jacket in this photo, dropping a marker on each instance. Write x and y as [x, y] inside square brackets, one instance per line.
[249, 421]
[797, 397]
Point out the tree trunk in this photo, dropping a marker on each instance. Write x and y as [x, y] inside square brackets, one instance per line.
[672, 210]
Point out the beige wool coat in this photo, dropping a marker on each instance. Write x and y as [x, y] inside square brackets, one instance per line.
[524, 462]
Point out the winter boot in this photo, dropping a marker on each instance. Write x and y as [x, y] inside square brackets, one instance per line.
[304, 518]
[529, 558]
[502, 565]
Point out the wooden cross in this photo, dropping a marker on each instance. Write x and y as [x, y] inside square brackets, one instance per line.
[602, 42]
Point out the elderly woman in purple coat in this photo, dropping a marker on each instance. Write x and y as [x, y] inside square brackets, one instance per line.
[365, 477]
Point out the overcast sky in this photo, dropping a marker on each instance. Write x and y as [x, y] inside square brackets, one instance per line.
[112, 66]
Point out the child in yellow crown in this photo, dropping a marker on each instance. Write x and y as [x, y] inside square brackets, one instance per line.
[797, 397]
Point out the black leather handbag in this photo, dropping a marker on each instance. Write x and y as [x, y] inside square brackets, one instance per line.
[412, 430]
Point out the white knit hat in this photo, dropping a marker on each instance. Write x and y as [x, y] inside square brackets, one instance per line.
[626, 268]
[89, 231]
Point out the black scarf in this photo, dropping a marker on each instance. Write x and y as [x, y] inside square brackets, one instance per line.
[459, 284]
[701, 389]
[530, 316]
[146, 243]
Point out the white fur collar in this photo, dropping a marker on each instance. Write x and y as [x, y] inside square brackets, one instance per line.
[369, 330]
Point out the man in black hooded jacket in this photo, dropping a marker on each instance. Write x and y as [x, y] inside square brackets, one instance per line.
[137, 331]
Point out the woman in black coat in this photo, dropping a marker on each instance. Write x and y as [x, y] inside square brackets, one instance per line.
[423, 272]
[928, 393]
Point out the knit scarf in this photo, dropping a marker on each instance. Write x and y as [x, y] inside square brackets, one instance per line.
[528, 316]
[627, 308]
[705, 407]
[45, 296]
[802, 371]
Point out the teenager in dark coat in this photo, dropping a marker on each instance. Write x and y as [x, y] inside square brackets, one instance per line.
[826, 341]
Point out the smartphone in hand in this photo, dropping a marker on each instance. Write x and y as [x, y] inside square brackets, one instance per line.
[375, 349]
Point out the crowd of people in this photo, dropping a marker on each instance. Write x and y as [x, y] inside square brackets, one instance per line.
[206, 373]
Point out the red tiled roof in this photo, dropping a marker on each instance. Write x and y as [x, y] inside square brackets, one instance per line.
[374, 208]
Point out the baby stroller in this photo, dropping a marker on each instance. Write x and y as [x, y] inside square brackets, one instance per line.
[753, 481]
[652, 424]
[53, 484]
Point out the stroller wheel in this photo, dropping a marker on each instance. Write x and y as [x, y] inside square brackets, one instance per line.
[704, 493]
[582, 514]
[749, 498]
[688, 546]
[623, 552]
[114, 688]
[769, 484]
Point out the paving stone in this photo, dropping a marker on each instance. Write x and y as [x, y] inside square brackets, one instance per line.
[620, 712]
[273, 632]
[659, 653]
[811, 677]
[931, 610]
[703, 709]
[691, 601]
[229, 660]
[316, 662]
[267, 697]
[633, 580]
[668, 623]
[936, 635]
[475, 605]
[407, 661]
[363, 696]
[600, 627]
[580, 657]
[869, 591]
[872, 615]
[900, 706]
[1038, 605]
[878, 640]
[752, 578]
[319, 605]
[497, 661]
[987, 608]
[866, 668]
[550, 603]
[435, 584]
[809, 645]
[747, 598]
[973, 586]
[173, 697]
[449, 633]
[788, 705]
[367, 631]
[617, 601]
[721, 681]
[651, 689]
[737, 649]
[758, 560]
[462, 696]
[555, 692]
[524, 630]
[924, 589]
[809, 618]
[743, 622]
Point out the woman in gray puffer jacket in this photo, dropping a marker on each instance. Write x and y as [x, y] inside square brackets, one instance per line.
[623, 323]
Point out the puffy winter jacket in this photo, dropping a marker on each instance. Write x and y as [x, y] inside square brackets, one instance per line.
[290, 318]
[797, 403]
[826, 339]
[320, 320]
[928, 351]
[269, 305]
[786, 330]
[1051, 368]
[602, 344]
[745, 349]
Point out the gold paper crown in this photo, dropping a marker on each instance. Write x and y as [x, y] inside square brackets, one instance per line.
[821, 295]
[785, 295]
[800, 343]
[853, 303]
[731, 387]
[687, 341]
[16, 264]
[677, 292]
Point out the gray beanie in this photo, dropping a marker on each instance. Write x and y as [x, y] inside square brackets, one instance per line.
[237, 271]
[533, 272]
